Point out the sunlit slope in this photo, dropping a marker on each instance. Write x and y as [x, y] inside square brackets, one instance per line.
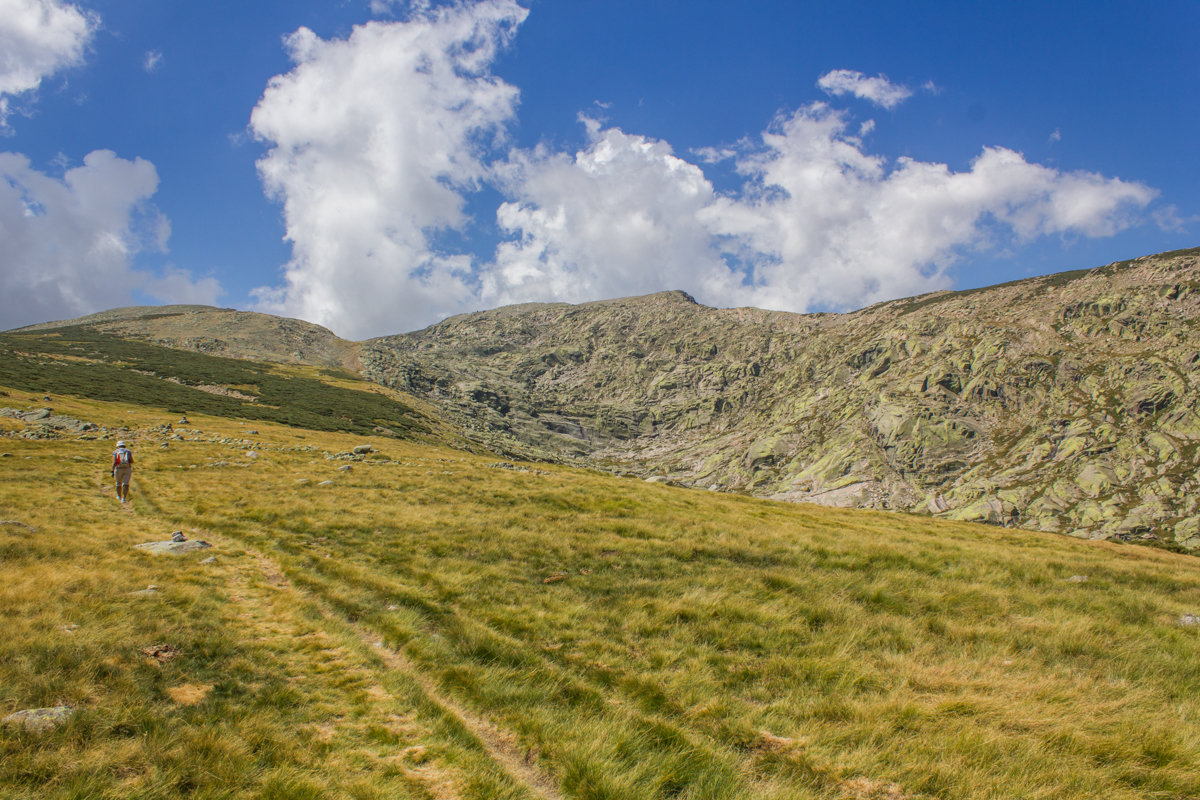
[87, 362]
[439, 624]
[1065, 403]
[221, 331]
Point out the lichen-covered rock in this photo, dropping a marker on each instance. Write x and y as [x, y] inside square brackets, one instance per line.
[1096, 479]
[39, 720]
[173, 548]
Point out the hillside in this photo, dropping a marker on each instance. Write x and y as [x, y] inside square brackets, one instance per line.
[1064, 403]
[418, 622]
[85, 361]
[221, 332]
[1061, 403]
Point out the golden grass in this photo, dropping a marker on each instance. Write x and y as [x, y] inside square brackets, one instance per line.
[692, 644]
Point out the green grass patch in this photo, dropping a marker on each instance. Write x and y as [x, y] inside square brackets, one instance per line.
[107, 367]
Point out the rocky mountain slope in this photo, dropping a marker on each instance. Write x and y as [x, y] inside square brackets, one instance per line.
[1060, 403]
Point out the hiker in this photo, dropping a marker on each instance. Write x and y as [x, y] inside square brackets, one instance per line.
[122, 470]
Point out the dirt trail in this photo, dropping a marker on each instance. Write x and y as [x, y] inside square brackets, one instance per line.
[501, 746]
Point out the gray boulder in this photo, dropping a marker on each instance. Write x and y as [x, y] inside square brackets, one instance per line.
[173, 548]
[39, 720]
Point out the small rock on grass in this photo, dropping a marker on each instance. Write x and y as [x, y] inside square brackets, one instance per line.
[1078, 579]
[39, 720]
[173, 548]
[325, 483]
[1190, 620]
[160, 653]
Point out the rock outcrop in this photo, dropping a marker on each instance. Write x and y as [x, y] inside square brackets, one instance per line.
[1060, 403]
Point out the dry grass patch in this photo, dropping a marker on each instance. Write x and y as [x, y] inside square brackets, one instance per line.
[697, 646]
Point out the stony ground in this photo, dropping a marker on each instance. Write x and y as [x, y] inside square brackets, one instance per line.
[1065, 403]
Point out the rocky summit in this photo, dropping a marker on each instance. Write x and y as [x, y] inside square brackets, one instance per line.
[1062, 403]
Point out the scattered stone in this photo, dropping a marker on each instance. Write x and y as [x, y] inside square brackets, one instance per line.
[1190, 620]
[209, 560]
[302, 481]
[362, 449]
[177, 536]
[393, 607]
[325, 483]
[70, 627]
[173, 548]
[345, 468]
[50, 423]
[183, 421]
[555, 578]
[251, 454]
[6, 455]
[585, 571]
[1078, 579]
[39, 720]
[160, 653]
[18, 524]
[252, 433]
[147, 592]
[189, 694]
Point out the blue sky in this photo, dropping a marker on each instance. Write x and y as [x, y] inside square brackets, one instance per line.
[375, 166]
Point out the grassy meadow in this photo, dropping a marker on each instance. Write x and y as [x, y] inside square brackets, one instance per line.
[437, 624]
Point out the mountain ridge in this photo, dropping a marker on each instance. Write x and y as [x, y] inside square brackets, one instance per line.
[1063, 402]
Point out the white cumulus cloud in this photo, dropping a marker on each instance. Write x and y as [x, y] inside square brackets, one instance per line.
[374, 142]
[37, 39]
[878, 90]
[823, 223]
[69, 242]
[621, 217]
[377, 142]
